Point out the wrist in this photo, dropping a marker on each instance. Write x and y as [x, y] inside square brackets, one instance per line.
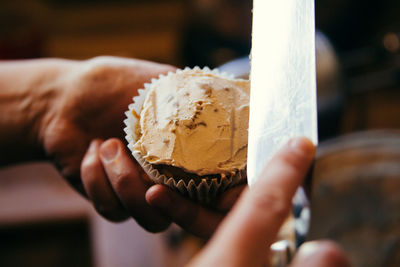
[52, 89]
[28, 94]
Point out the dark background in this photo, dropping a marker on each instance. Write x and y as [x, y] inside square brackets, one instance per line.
[362, 68]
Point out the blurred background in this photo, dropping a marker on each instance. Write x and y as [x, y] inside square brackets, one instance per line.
[44, 223]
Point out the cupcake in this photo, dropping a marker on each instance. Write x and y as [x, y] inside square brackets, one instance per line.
[189, 129]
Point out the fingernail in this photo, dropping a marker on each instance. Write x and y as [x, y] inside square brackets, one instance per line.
[307, 250]
[109, 150]
[302, 145]
[157, 197]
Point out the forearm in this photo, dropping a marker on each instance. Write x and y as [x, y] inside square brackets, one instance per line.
[27, 89]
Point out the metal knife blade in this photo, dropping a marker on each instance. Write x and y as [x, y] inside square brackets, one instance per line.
[283, 81]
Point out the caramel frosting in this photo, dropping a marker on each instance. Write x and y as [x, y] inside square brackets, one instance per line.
[196, 120]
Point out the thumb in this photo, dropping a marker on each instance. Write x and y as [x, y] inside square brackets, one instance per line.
[320, 254]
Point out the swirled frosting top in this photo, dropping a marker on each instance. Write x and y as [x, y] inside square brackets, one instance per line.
[196, 120]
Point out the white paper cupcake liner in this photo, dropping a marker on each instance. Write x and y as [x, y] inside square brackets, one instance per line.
[205, 190]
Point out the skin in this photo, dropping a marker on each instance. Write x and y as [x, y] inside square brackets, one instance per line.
[249, 228]
[49, 104]
[71, 112]
[63, 110]
[245, 235]
[119, 188]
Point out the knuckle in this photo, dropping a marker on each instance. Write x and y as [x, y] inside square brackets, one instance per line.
[293, 160]
[121, 180]
[100, 59]
[272, 202]
[96, 70]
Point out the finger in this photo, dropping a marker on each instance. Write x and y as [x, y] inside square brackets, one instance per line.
[268, 203]
[97, 186]
[229, 198]
[254, 222]
[191, 216]
[127, 184]
[320, 254]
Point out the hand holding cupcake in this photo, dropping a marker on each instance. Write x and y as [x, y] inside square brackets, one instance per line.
[188, 130]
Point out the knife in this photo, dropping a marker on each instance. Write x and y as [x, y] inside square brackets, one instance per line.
[283, 82]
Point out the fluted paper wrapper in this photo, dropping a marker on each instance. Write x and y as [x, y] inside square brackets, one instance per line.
[204, 190]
